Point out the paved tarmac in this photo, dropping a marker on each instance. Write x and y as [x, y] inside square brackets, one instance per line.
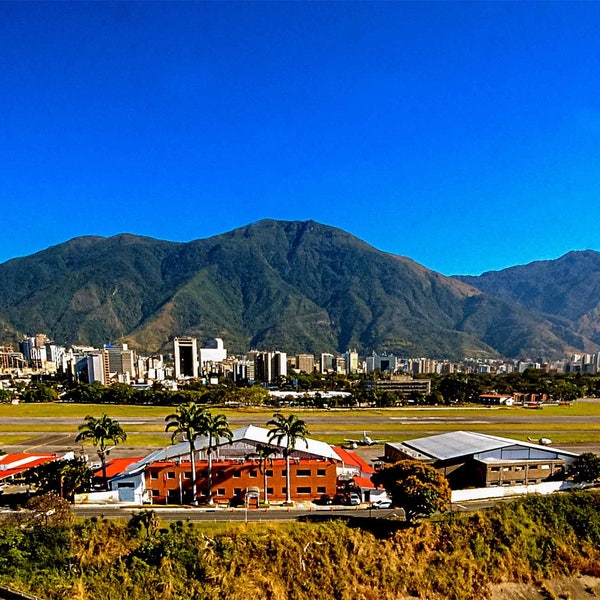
[63, 441]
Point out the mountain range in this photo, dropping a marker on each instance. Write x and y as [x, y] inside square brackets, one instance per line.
[298, 287]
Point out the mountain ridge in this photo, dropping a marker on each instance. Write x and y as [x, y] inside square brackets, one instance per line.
[293, 285]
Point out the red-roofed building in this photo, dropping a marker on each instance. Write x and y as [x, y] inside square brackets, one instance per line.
[13, 465]
[165, 476]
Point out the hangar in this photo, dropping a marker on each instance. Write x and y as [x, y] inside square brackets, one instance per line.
[470, 459]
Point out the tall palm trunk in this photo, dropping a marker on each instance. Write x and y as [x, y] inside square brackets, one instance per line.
[193, 462]
[265, 483]
[288, 490]
[210, 477]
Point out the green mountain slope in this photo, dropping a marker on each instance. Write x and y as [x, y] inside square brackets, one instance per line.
[566, 291]
[296, 286]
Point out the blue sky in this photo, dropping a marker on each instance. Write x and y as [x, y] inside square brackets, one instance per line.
[463, 135]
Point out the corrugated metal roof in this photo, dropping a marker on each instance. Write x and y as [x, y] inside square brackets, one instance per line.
[250, 434]
[462, 443]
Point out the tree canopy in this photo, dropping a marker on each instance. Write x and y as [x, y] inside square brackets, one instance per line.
[585, 468]
[416, 487]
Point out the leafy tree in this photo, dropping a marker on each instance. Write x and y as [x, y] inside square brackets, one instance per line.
[5, 395]
[38, 392]
[289, 430]
[585, 468]
[418, 488]
[187, 423]
[48, 509]
[214, 427]
[101, 431]
[63, 477]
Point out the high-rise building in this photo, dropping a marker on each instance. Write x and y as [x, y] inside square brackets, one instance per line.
[351, 357]
[213, 355]
[327, 363]
[186, 357]
[270, 366]
[305, 363]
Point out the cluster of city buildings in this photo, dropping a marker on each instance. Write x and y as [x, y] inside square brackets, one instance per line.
[189, 360]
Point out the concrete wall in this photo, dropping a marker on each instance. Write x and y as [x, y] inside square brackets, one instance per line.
[547, 487]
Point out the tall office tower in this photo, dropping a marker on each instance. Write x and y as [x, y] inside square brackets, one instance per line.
[128, 362]
[305, 363]
[270, 366]
[339, 365]
[351, 361]
[213, 355]
[94, 365]
[326, 363]
[186, 357]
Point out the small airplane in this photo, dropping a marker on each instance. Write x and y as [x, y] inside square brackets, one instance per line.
[543, 441]
[364, 441]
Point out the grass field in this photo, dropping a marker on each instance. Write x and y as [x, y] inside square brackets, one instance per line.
[332, 426]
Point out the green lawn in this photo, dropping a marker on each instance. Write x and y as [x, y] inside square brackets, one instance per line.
[396, 424]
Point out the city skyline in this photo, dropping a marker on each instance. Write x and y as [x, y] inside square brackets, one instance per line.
[461, 135]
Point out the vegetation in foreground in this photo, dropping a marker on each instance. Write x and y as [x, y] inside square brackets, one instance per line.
[455, 557]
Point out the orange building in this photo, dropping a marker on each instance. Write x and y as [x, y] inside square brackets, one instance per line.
[165, 476]
[170, 482]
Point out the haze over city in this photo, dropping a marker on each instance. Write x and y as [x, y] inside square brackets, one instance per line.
[462, 135]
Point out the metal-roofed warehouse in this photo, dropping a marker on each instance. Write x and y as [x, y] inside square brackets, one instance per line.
[470, 459]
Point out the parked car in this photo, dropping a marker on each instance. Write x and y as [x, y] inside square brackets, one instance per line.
[381, 503]
[354, 499]
[324, 500]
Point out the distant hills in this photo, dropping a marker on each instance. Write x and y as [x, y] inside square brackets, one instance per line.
[298, 287]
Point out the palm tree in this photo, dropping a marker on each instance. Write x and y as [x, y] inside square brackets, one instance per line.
[187, 422]
[290, 430]
[101, 431]
[265, 457]
[214, 427]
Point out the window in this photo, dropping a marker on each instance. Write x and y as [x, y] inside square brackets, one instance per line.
[321, 489]
[269, 472]
[155, 493]
[304, 490]
[237, 491]
[545, 467]
[220, 491]
[170, 474]
[269, 490]
[237, 474]
[284, 473]
[284, 490]
[505, 469]
[187, 475]
[126, 484]
[154, 475]
[253, 473]
[204, 474]
[518, 468]
[303, 473]
[321, 472]
[495, 469]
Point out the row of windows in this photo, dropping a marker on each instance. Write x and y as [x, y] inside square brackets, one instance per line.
[301, 490]
[238, 474]
[515, 482]
[517, 468]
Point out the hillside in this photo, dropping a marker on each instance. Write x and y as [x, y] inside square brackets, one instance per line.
[565, 291]
[538, 540]
[297, 286]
